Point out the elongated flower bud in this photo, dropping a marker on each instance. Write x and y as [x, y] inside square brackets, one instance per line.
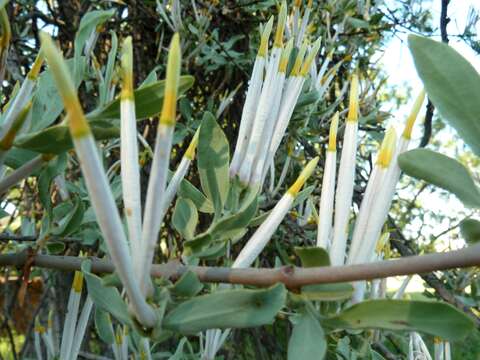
[97, 184]
[127, 69]
[36, 67]
[346, 178]
[328, 188]
[4, 40]
[153, 217]
[310, 58]
[71, 317]
[190, 153]
[7, 140]
[387, 149]
[260, 238]
[263, 48]
[282, 19]
[171, 87]
[407, 132]
[285, 57]
[353, 102]
[297, 65]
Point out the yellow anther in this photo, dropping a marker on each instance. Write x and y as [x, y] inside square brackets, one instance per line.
[387, 148]
[332, 138]
[282, 19]
[353, 102]
[303, 177]
[169, 109]
[407, 132]
[263, 49]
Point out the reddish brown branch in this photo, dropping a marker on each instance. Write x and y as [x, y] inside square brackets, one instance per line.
[292, 277]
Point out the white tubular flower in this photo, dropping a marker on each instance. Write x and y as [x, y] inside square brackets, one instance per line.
[295, 17]
[130, 170]
[303, 26]
[363, 249]
[81, 327]
[268, 129]
[23, 96]
[97, 185]
[290, 97]
[376, 181]
[68, 333]
[262, 236]
[251, 100]
[325, 212]
[6, 142]
[161, 158]
[38, 330]
[346, 177]
[266, 102]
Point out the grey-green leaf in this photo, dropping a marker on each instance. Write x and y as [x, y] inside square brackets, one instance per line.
[442, 171]
[227, 309]
[213, 160]
[185, 217]
[103, 325]
[452, 84]
[105, 298]
[434, 318]
[307, 341]
[470, 230]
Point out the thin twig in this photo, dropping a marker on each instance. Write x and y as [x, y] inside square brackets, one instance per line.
[291, 276]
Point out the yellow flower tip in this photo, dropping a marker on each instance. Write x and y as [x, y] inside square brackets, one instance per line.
[310, 4]
[282, 67]
[37, 66]
[332, 138]
[127, 69]
[310, 58]
[387, 148]
[76, 118]
[171, 87]
[282, 19]
[267, 30]
[407, 132]
[382, 242]
[77, 282]
[437, 340]
[297, 3]
[298, 60]
[119, 336]
[303, 177]
[353, 102]
[7, 142]
[190, 153]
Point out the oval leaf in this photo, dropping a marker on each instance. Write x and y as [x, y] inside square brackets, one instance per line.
[307, 341]
[227, 309]
[185, 218]
[434, 318]
[452, 84]
[442, 171]
[470, 230]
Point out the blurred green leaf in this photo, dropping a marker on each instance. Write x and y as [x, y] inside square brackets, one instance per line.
[307, 341]
[313, 256]
[187, 286]
[433, 318]
[452, 84]
[103, 325]
[442, 171]
[470, 230]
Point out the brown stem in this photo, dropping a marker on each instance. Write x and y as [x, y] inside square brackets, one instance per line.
[291, 276]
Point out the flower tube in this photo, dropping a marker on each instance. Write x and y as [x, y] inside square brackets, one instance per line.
[161, 159]
[98, 188]
[81, 327]
[130, 170]
[325, 212]
[266, 102]
[251, 100]
[262, 236]
[303, 25]
[346, 178]
[71, 317]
